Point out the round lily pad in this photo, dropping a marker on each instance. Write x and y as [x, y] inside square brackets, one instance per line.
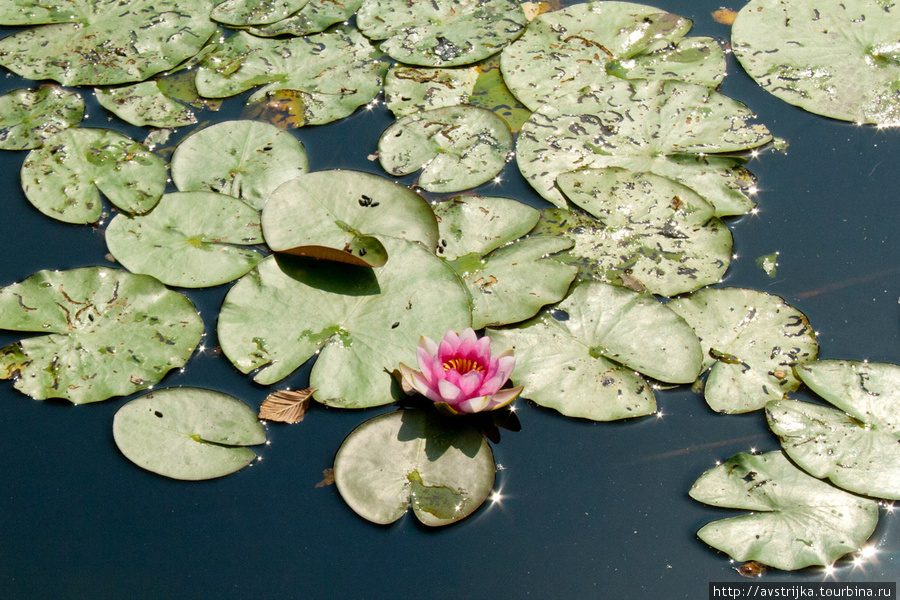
[245, 159]
[188, 433]
[145, 104]
[479, 224]
[240, 13]
[408, 90]
[64, 178]
[441, 33]
[836, 58]
[315, 16]
[441, 468]
[585, 44]
[191, 239]
[106, 333]
[796, 520]
[28, 117]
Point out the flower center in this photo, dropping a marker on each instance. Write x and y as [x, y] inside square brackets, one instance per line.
[463, 365]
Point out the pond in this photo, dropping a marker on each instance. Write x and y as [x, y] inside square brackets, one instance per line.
[585, 509]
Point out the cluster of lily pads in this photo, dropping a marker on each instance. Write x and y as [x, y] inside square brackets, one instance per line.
[610, 112]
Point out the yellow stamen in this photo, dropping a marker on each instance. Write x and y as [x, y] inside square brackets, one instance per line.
[462, 365]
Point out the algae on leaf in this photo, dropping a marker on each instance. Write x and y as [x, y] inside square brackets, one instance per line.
[28, 117]
[409, 90]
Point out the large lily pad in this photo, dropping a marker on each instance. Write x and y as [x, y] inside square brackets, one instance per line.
[102, 42]
[191, 239]
[457, 147]
[363, 321]
[107, 333]
[240, 13]
[588, 44]
[668, 128]
[831, 57]
[336, 215]
[442, 33]
[188, 433]
[752, 341]
[408, 90]
[244, 159]
[331, 74]
[796, 520]
[28, 117]
[855, 447]
[145, 104]
[315, 16]
[64, 178]
[444, 470]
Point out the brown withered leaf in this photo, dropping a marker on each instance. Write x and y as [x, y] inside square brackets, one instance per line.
[286, 406]
[725, 16]
[327, 478]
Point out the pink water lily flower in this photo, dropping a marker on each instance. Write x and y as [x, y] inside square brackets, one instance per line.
[460, 375]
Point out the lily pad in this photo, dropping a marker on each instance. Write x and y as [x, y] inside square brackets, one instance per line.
[831, 57]
[491, 93]
[363, 322]
[444, 470]
[28, 117]
[663, 127]
[241, 13]
[336, 215]
[855, 447]
[315, 16]
[145, 104]
[330, 73]
[796, 520]
[751, 343]
[476, 224]
[596, 42]
[64, 178]
[102, 42]
[564, 356]
[442, 33]
[409, 90]
[188, 433]
[244, 159]
[191, 239]
[457, 147]
[107, 333]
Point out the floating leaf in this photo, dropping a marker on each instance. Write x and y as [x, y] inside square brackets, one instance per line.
[752, 341]
[441, 468]
[315, 16]
[597, 42]
[244, 159]
[769, 264]
[491, 93]
[336, 215]
[457, 147]
[240, 13]
[28, 117]
[191, 239]
[286, 406]
[145, 104]
[796, 520]
[102, 42]
[331, 73]
[667, 128]
[364, 321]
[855, 447]
[64, 178]
[831, 57]
[409, 90]
[443, 33]
[188, 433]
[476, 224]
[108, 333]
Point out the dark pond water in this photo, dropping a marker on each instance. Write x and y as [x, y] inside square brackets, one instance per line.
[589, 510]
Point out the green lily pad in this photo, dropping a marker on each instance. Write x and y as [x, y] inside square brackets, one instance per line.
[244, 159]
[663, 127]
[443, 33]
[102, 42]
[491, 93]
[441, 468]
[331, 74]
[596, 42]
[107, 333]
[834, 58]
[855, 447]
[315, 16]
[28, 117]
[188, 433]
[240, 13]
[64, 178]
[752, 341]
[363, 322]
[191, 239]
[409, 90]
[796, 520]
[649, 232]
[564, 356]
[145, 104]
[336, 215]
[457, 147]
[476, 224]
